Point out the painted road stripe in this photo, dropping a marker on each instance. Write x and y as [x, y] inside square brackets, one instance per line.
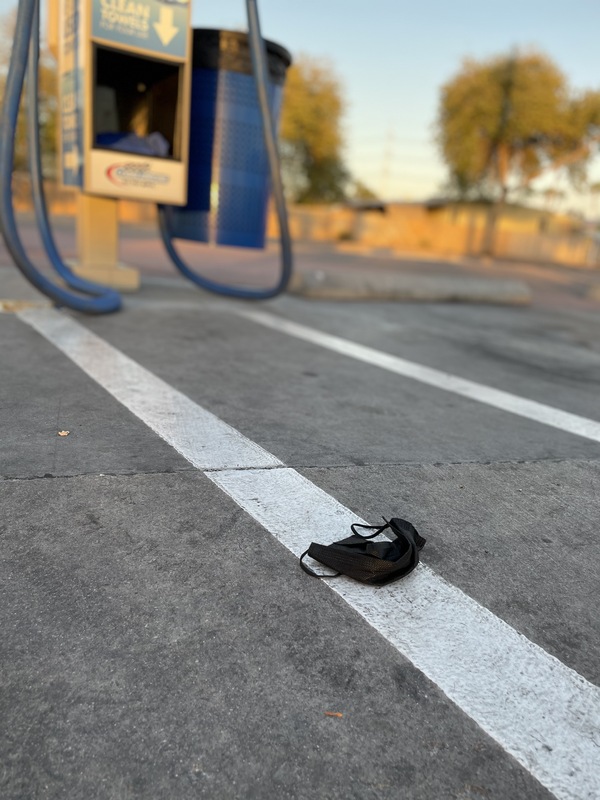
[202, 438]
[548, 415]
[540, 711]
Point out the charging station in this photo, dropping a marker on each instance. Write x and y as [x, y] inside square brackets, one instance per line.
[125, 89]
[124, 77]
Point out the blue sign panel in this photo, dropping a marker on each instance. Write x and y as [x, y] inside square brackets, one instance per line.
[72, 127]
[71, 97]
[157, 26]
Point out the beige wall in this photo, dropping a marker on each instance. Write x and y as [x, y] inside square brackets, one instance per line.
[453, 231]
[522, 234]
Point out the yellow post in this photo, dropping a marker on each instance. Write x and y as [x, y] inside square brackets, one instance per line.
[98, 244]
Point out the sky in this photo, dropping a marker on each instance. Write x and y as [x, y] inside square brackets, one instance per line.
[391, 58]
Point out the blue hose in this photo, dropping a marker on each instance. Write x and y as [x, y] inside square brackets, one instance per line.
[37, 178]
[107, 300]
[259, 63]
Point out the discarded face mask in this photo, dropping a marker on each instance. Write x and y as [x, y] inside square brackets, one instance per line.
[374, 563]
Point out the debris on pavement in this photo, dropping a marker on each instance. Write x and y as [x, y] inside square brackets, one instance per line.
[375, 563]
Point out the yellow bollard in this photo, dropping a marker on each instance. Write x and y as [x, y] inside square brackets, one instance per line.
[98, 245]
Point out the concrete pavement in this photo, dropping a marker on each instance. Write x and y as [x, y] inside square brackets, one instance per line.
[160, 642]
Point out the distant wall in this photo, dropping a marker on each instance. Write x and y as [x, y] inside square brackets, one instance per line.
[451, 231]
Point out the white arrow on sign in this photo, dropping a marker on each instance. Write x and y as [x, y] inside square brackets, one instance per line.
[164, 27]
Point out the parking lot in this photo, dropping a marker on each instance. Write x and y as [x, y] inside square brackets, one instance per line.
[160, 640]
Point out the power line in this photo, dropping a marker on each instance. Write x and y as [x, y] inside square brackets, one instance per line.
[399, 158]
[399, 139]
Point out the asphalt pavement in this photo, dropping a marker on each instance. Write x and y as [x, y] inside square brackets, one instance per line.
[159, 639]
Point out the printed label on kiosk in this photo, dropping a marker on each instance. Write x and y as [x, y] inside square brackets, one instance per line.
[158, 26]
[71, 83]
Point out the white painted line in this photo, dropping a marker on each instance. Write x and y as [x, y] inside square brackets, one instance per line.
[206, 441]
[12, 306]
[548, 415]
[544, 714]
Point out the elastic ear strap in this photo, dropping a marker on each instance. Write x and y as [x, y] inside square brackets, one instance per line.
[377, 528]
[311, 572]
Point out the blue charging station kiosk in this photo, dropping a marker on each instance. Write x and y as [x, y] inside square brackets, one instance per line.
[228, 175]
[124, 78]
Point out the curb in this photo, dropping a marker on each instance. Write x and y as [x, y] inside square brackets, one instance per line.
[593, 292]
[321, 285]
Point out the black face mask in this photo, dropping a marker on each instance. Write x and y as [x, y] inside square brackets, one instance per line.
[375, 563]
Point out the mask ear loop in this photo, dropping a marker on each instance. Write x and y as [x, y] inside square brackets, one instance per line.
[314, 574]
[377, 528]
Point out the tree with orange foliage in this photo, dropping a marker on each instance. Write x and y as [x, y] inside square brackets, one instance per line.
[504, 121]
[47, 99]
[311, 133]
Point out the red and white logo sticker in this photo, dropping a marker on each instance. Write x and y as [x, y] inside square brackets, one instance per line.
[132, 174]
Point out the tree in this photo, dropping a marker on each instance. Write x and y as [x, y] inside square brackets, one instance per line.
[594, 190]
[311, 133]
[47, 99]
[504, 121]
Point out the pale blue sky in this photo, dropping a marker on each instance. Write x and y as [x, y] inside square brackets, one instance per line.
[392, 56]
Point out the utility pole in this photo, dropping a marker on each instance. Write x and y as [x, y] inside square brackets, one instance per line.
[499, 155]
[386, 162]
